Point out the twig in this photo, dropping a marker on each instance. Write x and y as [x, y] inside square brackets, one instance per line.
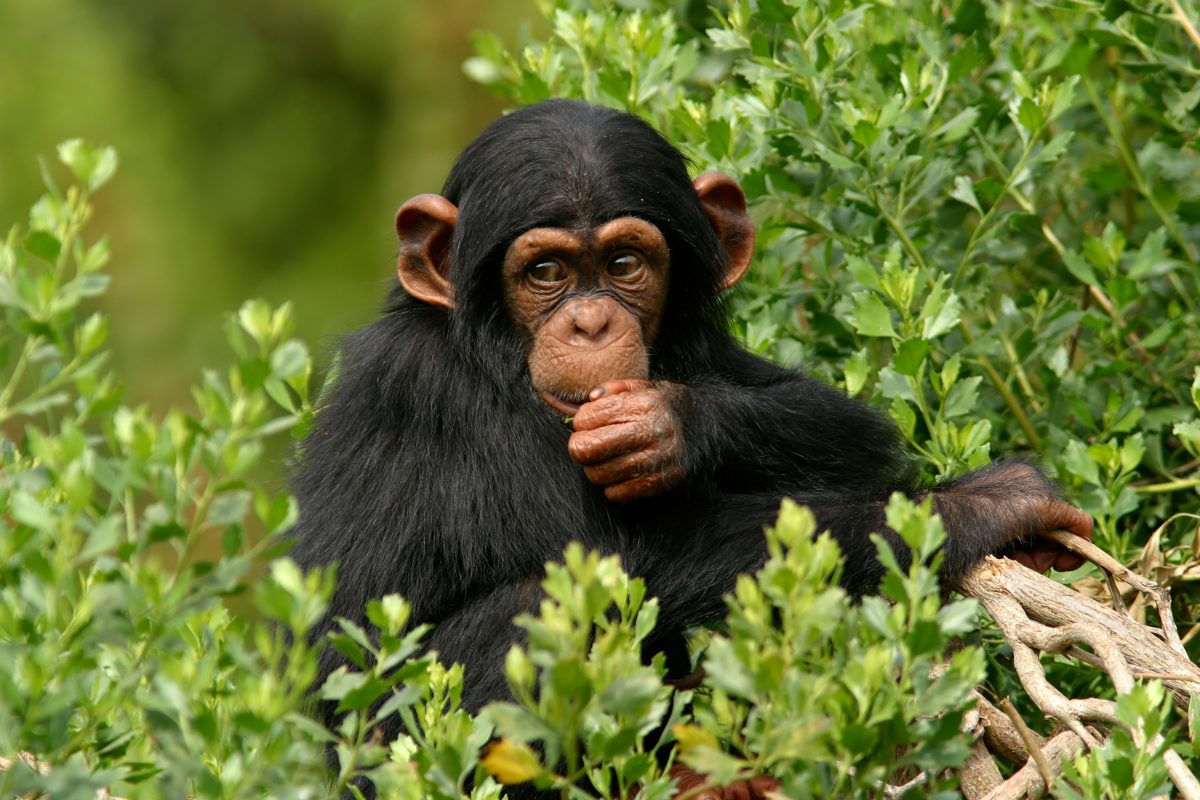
[1160, 596]
[1028, 781]
[1031, 744]
[1037, 614]
[1001, 735]
[1185, 23]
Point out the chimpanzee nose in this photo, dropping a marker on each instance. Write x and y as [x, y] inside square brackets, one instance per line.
[590, 319]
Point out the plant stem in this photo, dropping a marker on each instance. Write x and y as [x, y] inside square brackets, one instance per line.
[1010, 399]
[981, 228]
[1169, 486]
[1135, 172]
[1185, 23]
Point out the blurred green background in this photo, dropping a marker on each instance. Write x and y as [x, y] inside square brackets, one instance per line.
[264, 145]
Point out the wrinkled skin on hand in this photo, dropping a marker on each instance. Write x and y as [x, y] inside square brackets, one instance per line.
[628, 439]
[1015, 503]
[1043, 554]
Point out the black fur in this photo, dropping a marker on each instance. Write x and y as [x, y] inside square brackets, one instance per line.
[434, 470]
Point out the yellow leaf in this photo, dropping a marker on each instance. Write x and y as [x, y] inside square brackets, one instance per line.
[693, 737]
[511, 762]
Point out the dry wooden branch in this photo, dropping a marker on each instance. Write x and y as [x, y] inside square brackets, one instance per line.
[979, 775]
[1027, 781]
[1038, 615]
[1001, 736]
[1028, 738]
[1005, 584]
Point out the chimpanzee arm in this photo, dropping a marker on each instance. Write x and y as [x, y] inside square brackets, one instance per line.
[789, 434]
[788, 431]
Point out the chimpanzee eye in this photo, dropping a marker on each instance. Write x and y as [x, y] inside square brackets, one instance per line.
[548, 271]
[624, 265]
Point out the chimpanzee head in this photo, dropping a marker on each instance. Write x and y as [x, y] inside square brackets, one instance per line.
[573, 233]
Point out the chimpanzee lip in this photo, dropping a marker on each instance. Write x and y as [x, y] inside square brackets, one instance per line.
[562, 405]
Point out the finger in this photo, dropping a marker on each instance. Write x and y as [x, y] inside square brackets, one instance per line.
[613, 409]
[1036, 560]
[1023, 558]
[1078, 522]
[609, 388]
[1068, 561]
[638, 488]
[1042, 552]
[591, 447]
[638, 464]
[1058, 514]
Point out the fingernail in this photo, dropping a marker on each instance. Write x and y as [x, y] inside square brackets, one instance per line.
[596, 393]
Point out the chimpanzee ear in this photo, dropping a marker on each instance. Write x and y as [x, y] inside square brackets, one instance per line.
[425, 225]
[725, 206]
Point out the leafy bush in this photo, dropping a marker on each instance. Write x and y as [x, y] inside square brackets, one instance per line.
[981, 215]
[127, 669]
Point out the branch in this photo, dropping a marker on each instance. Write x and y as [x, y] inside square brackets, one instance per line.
[1038, 615]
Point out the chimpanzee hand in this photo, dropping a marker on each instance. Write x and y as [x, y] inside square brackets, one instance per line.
[628, 439]
[1042, 554]
[1004, 509]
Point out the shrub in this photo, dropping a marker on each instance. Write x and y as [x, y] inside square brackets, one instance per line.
[981, 215]
[128, 541]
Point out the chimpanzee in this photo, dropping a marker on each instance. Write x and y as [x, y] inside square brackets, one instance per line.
[554, 364]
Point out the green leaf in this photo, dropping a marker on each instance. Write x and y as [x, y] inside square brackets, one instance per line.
[910, 355]
[290, 359]
[44, 245]
[961, 398]
[255, 318]
[904, 416]
[940, 312]
[29, 511]
[964, 192]
[871, 316]
[1080, 463]
[856, 372]
[1080, 268]
[865, 133]
[229, 508]
[92, 165]
[959, 125]
[863, 272]
[1030, 115]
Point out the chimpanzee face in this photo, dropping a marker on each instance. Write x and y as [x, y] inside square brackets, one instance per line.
[586, 300]
[588, 303]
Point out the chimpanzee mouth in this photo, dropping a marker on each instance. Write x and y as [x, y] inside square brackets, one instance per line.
[565, 406]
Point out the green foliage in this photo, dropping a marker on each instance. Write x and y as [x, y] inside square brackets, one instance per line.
[128, 669]
[123, 665]
[581, 691]
[829, 697]
[980, 215]
[1122, 770]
